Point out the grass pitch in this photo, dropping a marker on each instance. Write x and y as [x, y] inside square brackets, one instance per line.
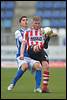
[25, 86]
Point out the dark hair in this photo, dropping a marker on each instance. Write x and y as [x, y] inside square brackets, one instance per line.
[21, 18]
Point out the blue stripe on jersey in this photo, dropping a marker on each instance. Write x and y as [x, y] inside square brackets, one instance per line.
[21, 31]
[18, 47]
[25, 52]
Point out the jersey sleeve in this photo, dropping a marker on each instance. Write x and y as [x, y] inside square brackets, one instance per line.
[46, 41]
[18, 35]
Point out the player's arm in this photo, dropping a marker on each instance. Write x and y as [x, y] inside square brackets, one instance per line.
[46, 41]
[48, 34]
[53, 35]
[22, 50]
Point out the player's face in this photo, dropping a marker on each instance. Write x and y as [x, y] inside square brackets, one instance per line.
[24, 22]
[36, 24]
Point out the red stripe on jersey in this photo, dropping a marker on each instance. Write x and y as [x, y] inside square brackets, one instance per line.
[41, 45]
[26, 35]
[36, 43]
[36, 32]
[31, 33]
[40, 34]
[32, 43]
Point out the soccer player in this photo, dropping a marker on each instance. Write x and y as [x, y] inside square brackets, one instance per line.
[24, 62]
[36, 45]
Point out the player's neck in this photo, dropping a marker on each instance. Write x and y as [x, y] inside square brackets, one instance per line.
[36, 29]
[24, 28]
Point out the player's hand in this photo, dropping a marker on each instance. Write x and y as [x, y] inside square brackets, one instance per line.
[21, 57]
[37, 48]
[53, 35]
[49, 33]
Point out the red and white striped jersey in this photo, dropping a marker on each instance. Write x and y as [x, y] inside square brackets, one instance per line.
[34, 37]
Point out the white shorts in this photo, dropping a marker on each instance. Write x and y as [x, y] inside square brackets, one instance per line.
[26, 60]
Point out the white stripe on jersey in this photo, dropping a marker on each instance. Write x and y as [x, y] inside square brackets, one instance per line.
[18, 35]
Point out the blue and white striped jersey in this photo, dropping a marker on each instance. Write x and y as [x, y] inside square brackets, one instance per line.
[19, 37]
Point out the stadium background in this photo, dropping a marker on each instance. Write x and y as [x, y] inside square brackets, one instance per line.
[53, 14]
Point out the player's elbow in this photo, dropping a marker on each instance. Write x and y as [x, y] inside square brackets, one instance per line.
[45, 47]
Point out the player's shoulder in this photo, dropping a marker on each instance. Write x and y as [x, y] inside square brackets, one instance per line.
[28, 29]
[17, 33]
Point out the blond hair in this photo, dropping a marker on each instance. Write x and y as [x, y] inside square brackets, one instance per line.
[36, 18]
